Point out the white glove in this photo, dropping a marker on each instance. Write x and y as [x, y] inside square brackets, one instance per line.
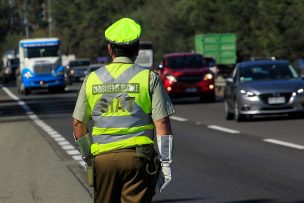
[84, 147]
[164, 177]
[165, 143]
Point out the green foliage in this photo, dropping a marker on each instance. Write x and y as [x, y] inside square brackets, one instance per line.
[264, 27]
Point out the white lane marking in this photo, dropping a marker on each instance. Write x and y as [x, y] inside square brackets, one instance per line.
[77, 157]
[178, 118]
[283, 143]
[73, 152]
[227, 130]
[14, 97]
[65, 145]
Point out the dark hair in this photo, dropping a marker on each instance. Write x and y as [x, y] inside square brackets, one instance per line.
[129, 50]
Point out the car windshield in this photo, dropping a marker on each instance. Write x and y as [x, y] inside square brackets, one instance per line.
[210, 62]
[267, 72]
[185, 61]
[46, 51]
[80, 63]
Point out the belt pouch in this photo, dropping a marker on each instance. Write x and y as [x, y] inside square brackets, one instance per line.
[90, 175]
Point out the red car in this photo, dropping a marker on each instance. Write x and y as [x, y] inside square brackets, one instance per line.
[187, 74]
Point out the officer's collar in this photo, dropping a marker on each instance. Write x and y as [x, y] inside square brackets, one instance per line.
[122, 59]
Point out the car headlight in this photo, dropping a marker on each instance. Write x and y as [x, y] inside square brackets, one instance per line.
[300, 91]
[247, 93]
[8, 71]
[28, 74]
[72, 72]
[171, 78]
[208, 76]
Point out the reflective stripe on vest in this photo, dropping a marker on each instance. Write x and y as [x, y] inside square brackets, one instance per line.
[120, 131]
[97, 148]
[105, 139]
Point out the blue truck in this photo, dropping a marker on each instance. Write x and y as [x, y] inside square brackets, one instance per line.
[40, 65]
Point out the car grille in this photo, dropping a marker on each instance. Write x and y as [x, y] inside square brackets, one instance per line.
[264, 97]
[80, 70]
[43, 68]
[189, 78]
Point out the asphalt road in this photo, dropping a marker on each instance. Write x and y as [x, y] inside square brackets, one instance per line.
[214, 160]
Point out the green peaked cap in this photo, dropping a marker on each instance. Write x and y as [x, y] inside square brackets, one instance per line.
[124, 31]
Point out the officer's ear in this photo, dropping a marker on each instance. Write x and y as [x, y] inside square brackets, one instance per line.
[111, 52]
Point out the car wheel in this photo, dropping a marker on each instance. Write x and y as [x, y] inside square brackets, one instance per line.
[228, 115]
[237, 115]
[18, 86]
[23, 90]
[27, 91]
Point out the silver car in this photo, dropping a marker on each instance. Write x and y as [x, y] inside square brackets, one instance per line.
[261, 88]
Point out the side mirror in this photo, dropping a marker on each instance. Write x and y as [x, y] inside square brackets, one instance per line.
[229, 80]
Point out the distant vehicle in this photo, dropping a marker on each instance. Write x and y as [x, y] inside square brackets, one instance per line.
[40, 65]
[77, 69]
[263, 87]
[10, 63]
[94, 67]
[145, 54]
[186, 74]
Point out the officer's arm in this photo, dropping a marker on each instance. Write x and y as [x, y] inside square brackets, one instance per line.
[164, 142]
[163, 126]
[80, 129]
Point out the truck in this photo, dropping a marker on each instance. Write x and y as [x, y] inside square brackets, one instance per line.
[10, 63]
[40, 65]
[220, 46]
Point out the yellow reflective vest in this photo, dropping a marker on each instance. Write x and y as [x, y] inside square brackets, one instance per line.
[121, 108]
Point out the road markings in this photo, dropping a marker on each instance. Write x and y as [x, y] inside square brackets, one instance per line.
[286, 144]
[65, 145]
[14, 97]
[178, 118]
[226, 130]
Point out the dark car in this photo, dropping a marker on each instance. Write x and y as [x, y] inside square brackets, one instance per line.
[263, 87]
[94, 67]
[8, 71]
[77, 69]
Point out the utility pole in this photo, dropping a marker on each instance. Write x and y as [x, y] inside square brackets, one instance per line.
[50, 18]
[25, 20]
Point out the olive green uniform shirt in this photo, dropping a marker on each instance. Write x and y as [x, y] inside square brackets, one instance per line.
[161, 102]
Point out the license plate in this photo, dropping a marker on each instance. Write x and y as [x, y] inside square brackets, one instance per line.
[276, 100]
[43, 84]
[191, 90]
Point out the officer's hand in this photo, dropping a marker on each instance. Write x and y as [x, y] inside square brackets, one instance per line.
[164, 176]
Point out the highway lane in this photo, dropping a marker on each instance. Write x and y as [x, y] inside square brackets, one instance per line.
[210, 165]
[275, 127]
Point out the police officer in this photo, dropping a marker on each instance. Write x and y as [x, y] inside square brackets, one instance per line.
[127, 104]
